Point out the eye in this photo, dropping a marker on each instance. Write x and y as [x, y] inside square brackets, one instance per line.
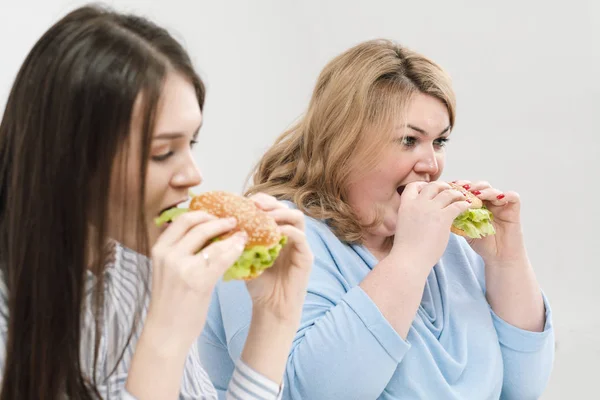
[193, 142]
[408, 141]
[162, 157]
[441, 142]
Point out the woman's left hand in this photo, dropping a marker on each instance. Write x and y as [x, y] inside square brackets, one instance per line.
[507, 245]
[281, 289]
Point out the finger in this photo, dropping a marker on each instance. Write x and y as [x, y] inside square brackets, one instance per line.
[493, 196]
[447, 197]
[504, 198]
[464, 183]
[297, 238]
[212, 262]
[266, 202]
[477, 187]
[197, 237]
[294, 235]
[413, 189]
[181, 225]
[286, 216]
[455, 209]
[433, 189]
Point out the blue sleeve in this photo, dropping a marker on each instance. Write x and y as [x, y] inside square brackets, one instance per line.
[528, 358]
[344, 348]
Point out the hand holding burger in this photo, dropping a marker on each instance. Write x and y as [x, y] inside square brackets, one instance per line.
[265, 238]
[275, 262]
[505, 245]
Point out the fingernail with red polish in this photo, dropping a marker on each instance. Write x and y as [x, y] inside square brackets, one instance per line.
[476, 192]
[500, 196]
[467, 187]
[469, 201]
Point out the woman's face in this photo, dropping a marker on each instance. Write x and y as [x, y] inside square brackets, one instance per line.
[416, 154]
[172, 170]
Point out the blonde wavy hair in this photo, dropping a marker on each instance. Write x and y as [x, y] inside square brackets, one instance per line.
[359, 97]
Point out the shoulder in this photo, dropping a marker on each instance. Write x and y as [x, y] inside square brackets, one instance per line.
[319, 235]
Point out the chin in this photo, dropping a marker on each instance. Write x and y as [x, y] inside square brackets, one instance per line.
[387, 229]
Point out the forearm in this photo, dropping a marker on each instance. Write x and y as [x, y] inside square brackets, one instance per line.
[396, 287]
[268, 344]
[346, 351]
[514, 294]
[157, 365]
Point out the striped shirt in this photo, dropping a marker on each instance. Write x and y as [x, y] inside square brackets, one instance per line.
[125, 280]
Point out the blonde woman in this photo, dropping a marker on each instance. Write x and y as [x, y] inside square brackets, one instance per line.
[397, 306]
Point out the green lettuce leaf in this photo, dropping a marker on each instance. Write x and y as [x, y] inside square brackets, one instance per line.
[252, 261]
[169, 215]
[476, 223]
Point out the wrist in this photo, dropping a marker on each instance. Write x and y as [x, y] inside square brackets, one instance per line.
[403, 262]
[162, 341]
[513, 263]
[268, 343]
[515, 257]
[157, 365]
[264, 317]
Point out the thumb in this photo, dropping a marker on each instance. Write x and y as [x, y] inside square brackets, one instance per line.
[455, 209]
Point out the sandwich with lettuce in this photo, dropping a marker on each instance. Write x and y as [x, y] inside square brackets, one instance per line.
[476, 222]
[265, 239]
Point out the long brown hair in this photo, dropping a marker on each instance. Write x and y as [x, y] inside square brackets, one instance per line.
[67, 118]
[358, 98]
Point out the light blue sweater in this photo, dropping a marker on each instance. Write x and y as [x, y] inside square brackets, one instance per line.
[457, 348]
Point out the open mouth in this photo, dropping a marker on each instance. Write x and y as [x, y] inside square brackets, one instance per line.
[165, 209]
[174, 205]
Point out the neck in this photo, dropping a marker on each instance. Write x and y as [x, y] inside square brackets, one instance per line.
[379, 246]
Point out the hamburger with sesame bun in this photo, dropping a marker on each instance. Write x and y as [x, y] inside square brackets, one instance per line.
[476, 222]
[265, 240]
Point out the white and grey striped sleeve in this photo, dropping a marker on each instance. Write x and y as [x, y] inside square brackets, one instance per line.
[126, 396]
[247, 384]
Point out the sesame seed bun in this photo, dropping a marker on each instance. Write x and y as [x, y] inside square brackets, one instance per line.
[459, 232]
[262, 230]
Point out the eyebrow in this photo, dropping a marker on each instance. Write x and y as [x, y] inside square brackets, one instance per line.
[423, 132]
[176, 135]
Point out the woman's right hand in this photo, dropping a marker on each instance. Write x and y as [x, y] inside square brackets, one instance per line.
[183, 278]
[425, 216]
[182, 283]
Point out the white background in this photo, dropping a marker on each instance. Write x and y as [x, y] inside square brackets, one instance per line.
[527, 79]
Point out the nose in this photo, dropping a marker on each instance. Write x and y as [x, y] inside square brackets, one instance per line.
[188, 175]
[427, 162]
